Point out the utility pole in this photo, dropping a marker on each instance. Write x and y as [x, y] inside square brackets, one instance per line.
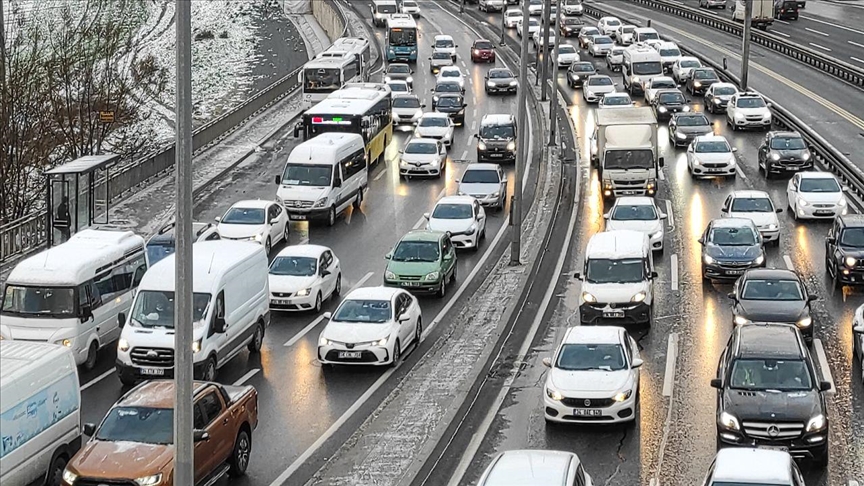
[183, 440]
[503, 27]
[553, 103]
[745, 58]
[547, 8]
[521, 145]
[462, 6]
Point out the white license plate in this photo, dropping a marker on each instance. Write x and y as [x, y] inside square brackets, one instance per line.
[495, 155]
[616, 314]
[349, 354]
[774, 448]
[152, 371]
[628, 193]
[823, 213]
[714, 170]
[734, 272]
[280, 301]
[410, 284]
[297, 217]
[586, 412]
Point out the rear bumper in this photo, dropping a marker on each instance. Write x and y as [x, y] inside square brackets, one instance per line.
[632, 314]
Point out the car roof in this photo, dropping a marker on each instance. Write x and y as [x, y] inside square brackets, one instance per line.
[434, 114]
[634, 201]
[498, 69]
[710, 138]
[153, 394]
[596, 76]
[594, 335]
[443, 37]
[762, 340]
[482, 166]
[253, 203]
[530, 467]
[497, 119]
[771, 273]
[684, 114]
[724, 85]
[405, 95]
[852, 219]
[303, 250]
[732, 223]
[380, 293]
[584, 63]
[751, 465]
[617, 244]
[421, 140]
[749, 193]
[398, 81]
[456, 200]
[422, 235]
[785, 134]
[667, 44]
[450, 68]
[481, 40]
[815, 174]
[669, 90]
[619, 94]
[662, 78]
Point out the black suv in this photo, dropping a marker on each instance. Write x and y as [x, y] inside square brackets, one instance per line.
[769, 394]
[669, 101]
[773, 295]
[783, 152]
[844, 250]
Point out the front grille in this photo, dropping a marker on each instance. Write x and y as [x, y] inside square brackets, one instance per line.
[591, 402]
[103, 482]
[773, 430]
[629, 183]
[613, 305]
[753, 117]
[734, 264]
[282, 295]
[298, 204]
[823, 206]
[718, 165]
[409, 277]
[161, 357]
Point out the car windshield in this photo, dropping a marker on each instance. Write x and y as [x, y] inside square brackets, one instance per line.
[386, 9]
[671, 52]
[750, 103]
[604, 270]
[321, 80]
[483, 45]
[533, 23]
[450, 102]
[441, 55]
[159, 251]
[590, 31]
[154, 308]
[629, 159]
[363, 311]
[433, 121]
[852, 237]
[480, 176]
[603, 81]
[819, 185]
[451, 73]
[617, 51]
[602, 40]
[42, 301]
[613, 22]
[406, 102]
[724, 91]
[591, 357]
[692, 121]
[616, 100]
[640, 212]
[788, 143]
[444, 43]
[453, 211]
[571, 21]
[650, 36]
[244, 216]
[500, 74]
[399, 69]
[398, 87]
[732, 237]
[628, 29]
[294, 266]
[566, 49]
[704, 75]
[497, 131]
[647, 68]
[770, 374]
[423, 148]
[715, 147]
[402, 37]
[776, 289]
[450, 87]
[752, 205]
[305, 175]
[663, 83]
[582, 67]
[670, 98]
[138, 425]
[416, 251]
[690, 63]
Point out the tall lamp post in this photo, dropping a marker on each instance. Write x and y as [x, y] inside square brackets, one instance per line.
[745, 57]
[522, 146]
[553, 103]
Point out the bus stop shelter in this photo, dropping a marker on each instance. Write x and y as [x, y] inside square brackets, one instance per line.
[77, 195]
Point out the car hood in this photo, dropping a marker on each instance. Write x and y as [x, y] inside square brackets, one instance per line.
[406, 111]
[397, 76]
[614, 293]
[121, 460]
[451, 225]
[240, 230]
[478, 188]
[600, 89]
[754, 111]
[733, 253]
[771, 310]
[857, 253]
[301, 193]
[432, 131]
[759, 219]
[797, 406]
[695, 129]
[713, 158]
[504, 81]
[596, 381]
[790, 154]
[647, 227]
[417, 269]
[290, 283]
[354, 332]
[419, 158]
[821, 197]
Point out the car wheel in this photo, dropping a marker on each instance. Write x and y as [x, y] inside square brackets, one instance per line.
[418, 331]
[794, 212]
[331, 216]
[267, 246]
[286, 232]
[397, 353]
[317, 308]
[442, 290]
[209, 373]
[359, 200]
[257, 340]
[338, 289]
[55, 474]
[92, 354]
[240, 456]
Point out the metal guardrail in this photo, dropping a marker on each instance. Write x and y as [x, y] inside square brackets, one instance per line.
[28, 233]
[839, 69]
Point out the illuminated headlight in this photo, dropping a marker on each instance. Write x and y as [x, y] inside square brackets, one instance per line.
[657, 234]
[320, 203]
[554, 394]
[841, 202]
[435, 98]
[381, 342]
[259, 237]
[476, 52]
[490, 84]
[413, 51]
[635, 79]
[766, 116]
[775, 157]
[697, 84]
[708, 260]
[804, 322]
[409, 79]
[806, 156]
[418, 114]
[716, 101]
[638, 297]
[621, 396]
[680, 135]
[481, 146]
[304, 292]
[739, 116]
[850, 261]
[816, 423]
[772, 227]
[588, 297]
[322, 341]
[729, 421]
[65, 342]
[662, 109]
[123, 345]
[387, 79]
[802, 202]
[511, 146]
[196, 346]
[514, 83]
[759, 260]
[149, 480]
[69, 476]
[741, 320]
[432, 276]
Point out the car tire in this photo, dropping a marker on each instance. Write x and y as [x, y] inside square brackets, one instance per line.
[397, 353]
[257, 339]
[209, 372]
[55, 473]
[338, 289]
[267, 246]
[92, 355]
[317, 308]
[442, 290]
[127, 380]
[331, 216]
[418, 332]
[240, 454]
[359, 200]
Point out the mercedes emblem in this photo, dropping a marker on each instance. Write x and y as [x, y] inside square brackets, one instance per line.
[773, 431]
[152, 354]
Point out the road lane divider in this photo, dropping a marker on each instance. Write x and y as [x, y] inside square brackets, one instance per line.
[817, 46]
[670, 217]
[788, 260]
[823, 365]
[673, 262]
[740, 172]
[98, 379]
[856, 44]
[782, 34]
[304, 331]
[243, 379]
[835, 25]
[671, 360]
[808, 29]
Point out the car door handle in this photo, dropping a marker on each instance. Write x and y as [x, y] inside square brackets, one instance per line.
[225, 421]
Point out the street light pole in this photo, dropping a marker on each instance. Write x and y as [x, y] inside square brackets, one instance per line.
[545, 45]
[503, 27]
[183, 441]
[745, 57]
[462, 6]
[522, 146]
[553, 103]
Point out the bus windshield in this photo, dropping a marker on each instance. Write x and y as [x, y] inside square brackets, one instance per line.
[39, 301]
[402, 37]
[321, 80]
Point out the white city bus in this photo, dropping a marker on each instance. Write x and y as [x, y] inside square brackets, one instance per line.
[358, 46]
[343, 62]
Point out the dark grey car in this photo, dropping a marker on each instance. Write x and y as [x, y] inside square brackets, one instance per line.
[501, 80]
[684, 127]
[730, 246]
[772, 295]
[783, 152]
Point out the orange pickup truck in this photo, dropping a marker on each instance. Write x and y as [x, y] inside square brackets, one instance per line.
[133, 444]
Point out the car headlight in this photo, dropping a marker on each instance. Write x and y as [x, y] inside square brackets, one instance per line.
[409, 79]
[196, 346]
[804, 322]
[588, 297]
[387, 79]
[511, 146]
[739, 116]
[413, 51]
[662, 109]
[471, 230]
[841, 202]
[322, 341]
[554, 394]
[729, 421]
[123, 345]
[495, 195]
[775, 157]
[381, 342]
[621, 396]
[490, 84]
[680, 135]
[656, 235]
[481, 146]
[850, 261]
[149, 480]
[418, 114]
[759, 259]
[303, 292]
[638, 297]
[635, 79]
[259, 237]
[816, 423]
[514, 83]
[697, 84]
[741, 320]
[475, 51]
[389, 275]
[320, 203]
[65, 342]
[432, 276]
[802, 202]
[708, 259]
[69, 476]
[806, 156]
[716, 101]
[772, 227]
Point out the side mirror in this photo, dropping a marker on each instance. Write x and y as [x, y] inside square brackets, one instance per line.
[831, 240]
[426, 215]
[217, 218]
[606, 216]
[88, 429]
[811, 298]
[388, 256]
[504, 180]
[778, 210]
[577, 276]
[337, 182]
[121, 319]
[662, 161]
[464, 105]
[297, 130]
[716, 383]
[430, 58]
[328, 315]
[404, 317]
[824, 385]
[324, 273]
[654, 275]
[844, 188]
[278, 180]
[637, 363]
[423, 105]
[547, 362]
[477, 136]
[86, 313]
[731, 295]
[701, 241]
[663, 215]
[219, 325]
[200, 435]
[859, 328]
[769, 105]
[271, 220]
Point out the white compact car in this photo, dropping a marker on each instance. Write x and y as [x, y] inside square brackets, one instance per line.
[535, 7]
[711, 155]
[512, 17]
[411, 8]
[626, 34]
[656, 84]
[437, 126]
[758, 207]
[461, 216]
[746, 466]
[486, 183]
[445, 43]
[537, 39]
[302, 277]
[372, 326]
[397, 87]
[451, 73]
[669, 54]
[638, 213]
[595, 87]
[535, 467]
[748, 110]
[593, 377]
[816, 195]
[422, 157]
[573, 7]
[601, 45]
[490, 5]
[406, 109]
[567, 55]
[533, 27]
[717, 96]
[682, 68]
[615, 59]
[263, 222]
[616, 100]
[609, 25]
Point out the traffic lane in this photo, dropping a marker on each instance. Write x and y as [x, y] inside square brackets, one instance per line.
[819, 100]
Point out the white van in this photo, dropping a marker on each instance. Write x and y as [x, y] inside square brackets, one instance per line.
[323, 176]
[617, 279]
[644, 34]
[72, 293]
[40, 407]
[382, 10]
[640, 64]
[230, 310]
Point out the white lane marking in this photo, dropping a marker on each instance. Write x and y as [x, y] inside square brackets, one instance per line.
[671, 359]
[780, 33]
[661, 175]
[380, 175]
[823, 365]
[670, 218]
[304, 239]
[654, 482]
[474, 125]
[304, 331]
[474, 113]
[674, 262]
[788, 261]
[464, 155]
[442, 193]
[816, 32]
[856, 59]
[817, 46]
[245, 378]
[740, 172]
[782, 21]
[856, 44]
[98, 379]
[833, 25]
[419, 222]
[361, 281]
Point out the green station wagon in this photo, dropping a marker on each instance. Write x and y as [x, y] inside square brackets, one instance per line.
[422, 262]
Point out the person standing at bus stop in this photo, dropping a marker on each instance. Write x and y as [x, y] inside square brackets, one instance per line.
[62, 219]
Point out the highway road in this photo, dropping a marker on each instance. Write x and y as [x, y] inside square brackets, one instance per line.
[299, 402]
[673, 440]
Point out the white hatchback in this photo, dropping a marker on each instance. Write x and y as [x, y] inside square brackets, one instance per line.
[263, 222]
[757, 207]
[567, 55]
[451, 73]
[461, 216]
[656, 84]
[609, 25]
[816, 195]
[595, 87]
[638, 213]
[436, 126]
[422, 157]
[445, 43]
[711, 155]
[302, 277]
[682, 68]
[616, 100]
[512, 17]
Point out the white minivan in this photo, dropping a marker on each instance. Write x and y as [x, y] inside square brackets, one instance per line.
[40, 406]
[72, 293]
[230, 310]
[323, 176]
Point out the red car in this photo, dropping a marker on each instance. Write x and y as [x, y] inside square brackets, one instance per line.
[483, 51]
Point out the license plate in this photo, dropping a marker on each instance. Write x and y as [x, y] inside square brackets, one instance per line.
[616, 314]
[349, 354]
[628, 193]
[714, 170]
[823, 212]
[774, 448]
[495, 155]
[734, 272]
[586, 412]
[297, 217]
[152, 371]
[410, 284]
[280, 301]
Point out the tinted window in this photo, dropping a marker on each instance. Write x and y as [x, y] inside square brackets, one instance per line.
[640, 212]
[763, 289]
[788, 143]
[752, 205]
[399, 68]
[853, 237]
[690, 63]
[670, 52]
[750, 103]
[582, 67]
[704, 75]
[398, 87]
[453, 211]
[725, 91]
[671, 98]
[616, 100]
[497, 131]
[819, 185]
[39, 300]
[483, 45]
[585, 357]
[433, 121]
[604, 81]
[294, 266]
[692, 120]
[500, 74]
[416, 251]
[714, 147]
[153, 308]
[663, 83]
[449, 87]
[210, 406]
[441, 55]
[424, 148]
[138, 424]
[480, 177]
[732, 237]
[566, 49]
[450, 101]
[444, 43]
[244, 216]
[406, 102]
[366, 311]
[770, 374]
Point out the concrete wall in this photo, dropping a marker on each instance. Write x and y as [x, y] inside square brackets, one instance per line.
[329, 17]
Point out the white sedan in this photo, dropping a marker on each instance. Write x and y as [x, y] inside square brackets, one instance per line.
[711, 155]
[372, 326]
[601, 45]
[637, 213]
[757, 207]
[512, 17]
[422, 157]
[616, 100]
[533, 27]
[609, 25]
[437, 126]
[816, 195]
[595, 87]
[302, 277]
[461, 216]
[451, 73]
[593, 377]
[537, 39]
[263, 222]
[683, 66]
[656, 84]
[567, 55]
